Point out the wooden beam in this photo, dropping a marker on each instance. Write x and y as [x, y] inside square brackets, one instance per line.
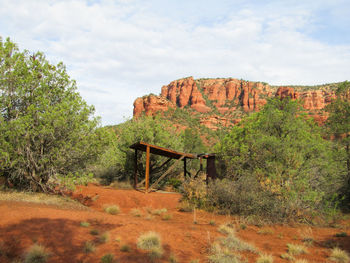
[167, 172]
[135, 169]
[185, 170]
[147, 167]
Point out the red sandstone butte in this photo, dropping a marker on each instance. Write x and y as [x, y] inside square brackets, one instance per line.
[227, 95]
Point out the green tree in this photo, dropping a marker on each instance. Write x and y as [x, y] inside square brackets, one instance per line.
[154, 130]
[338, 124]
[282, 150]
[46, 128]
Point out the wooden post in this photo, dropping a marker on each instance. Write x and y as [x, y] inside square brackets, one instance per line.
[147, 167]
[185, 171]
[135, 169]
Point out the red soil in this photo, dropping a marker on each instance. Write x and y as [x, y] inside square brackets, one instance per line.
[23, 224]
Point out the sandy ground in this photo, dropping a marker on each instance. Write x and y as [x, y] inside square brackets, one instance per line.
[58, 229]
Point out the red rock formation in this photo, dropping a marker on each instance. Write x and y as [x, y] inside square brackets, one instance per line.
[227, 96]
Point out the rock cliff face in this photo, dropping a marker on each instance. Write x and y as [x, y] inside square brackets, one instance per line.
[223, 102]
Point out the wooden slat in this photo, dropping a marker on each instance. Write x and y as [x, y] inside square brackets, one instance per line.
[166, 173]
[147, 167]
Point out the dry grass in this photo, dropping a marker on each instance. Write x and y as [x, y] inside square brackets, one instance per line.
[226, 229]
[36, 254]
[264, 258]
[84, 224]
[223, 255]
[340, 256]
[108, 258]
[287, 256]
[234, 243]
[136, 212]
[295, 250]
[112, 209]
[152, 243]
[266, 231]
[167, 217]
[301, 261]
[89, 247]
[104, 238]
[41, 198]
[158, 212]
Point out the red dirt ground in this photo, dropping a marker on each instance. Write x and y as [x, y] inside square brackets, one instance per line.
[23, 224]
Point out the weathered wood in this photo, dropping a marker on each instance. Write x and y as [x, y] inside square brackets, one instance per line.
[135, 169]
[147, 167]
[185, 170]
[167, 172]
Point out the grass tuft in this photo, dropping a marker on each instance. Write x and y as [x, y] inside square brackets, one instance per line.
[212, 222]
[287, 256]
[173, 259]
[340, 256]
[107, 258]
[136, 212]
[301, 261]
[112, 209]
[295, 250]
[167, 217]
[226, 229]
[223, 255]
[264, 258]
[266, 231]
[233, 242]
[104, 238]
[158, 212]
[84, 224]
[151, 242]
[94, 232]
[89, 247]
[125, 248]
[36, 254]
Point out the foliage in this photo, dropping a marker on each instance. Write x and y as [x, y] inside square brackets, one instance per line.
[36, 254]
[46, 128]
[112, 209]
[152, 130]
[338, 125]
[108, 258]
[339, 255]
[281, 153]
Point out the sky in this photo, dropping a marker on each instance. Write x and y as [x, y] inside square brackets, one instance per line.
[118, 50]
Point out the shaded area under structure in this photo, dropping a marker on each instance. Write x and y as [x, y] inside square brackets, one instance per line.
[171, 154]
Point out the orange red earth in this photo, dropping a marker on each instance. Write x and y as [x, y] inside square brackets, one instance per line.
[22, 224]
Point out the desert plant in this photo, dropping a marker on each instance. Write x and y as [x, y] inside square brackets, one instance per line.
[194, 261]
[306, 236]
[84, 224]
[125, 248]
[107, 258]
[294, 249]
[89, 247]
[135, 212]
[212, 222]
[159, 211]
[94, 232]
[265, 231]
[223, 255]
[233, 242]
[340, 256]
[226, 229]
[112, 209]
[341, 234]
[166, 217]
[173, 259]
[264, 258]
[301, 261]
[104, 238]
[287, 256]
[149, 241]
[36, 254]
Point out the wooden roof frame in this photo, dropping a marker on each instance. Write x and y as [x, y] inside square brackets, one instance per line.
[171, 154]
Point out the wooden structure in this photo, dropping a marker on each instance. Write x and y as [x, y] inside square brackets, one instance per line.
[171, 154]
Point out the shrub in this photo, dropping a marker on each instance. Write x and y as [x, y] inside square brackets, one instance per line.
[94, 232]
[107, 258]
[294, 249]
[36, 254]
[226, 229]
[167, 217]
[135, 212]
[233, 242]
[84, 224]
[112, 209]
[287, 256]
[341, 234]
[89, 247]
[149, 241]
[125, 248]
[223, 255]
[212, 222]
[265, 259]
[104, 238]
[340, 256]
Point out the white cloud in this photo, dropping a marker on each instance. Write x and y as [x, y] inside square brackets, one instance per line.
[119, 50]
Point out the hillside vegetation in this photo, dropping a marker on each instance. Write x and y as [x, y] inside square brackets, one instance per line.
[275, 164]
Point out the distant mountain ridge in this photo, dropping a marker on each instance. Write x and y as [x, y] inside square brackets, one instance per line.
[224, 101]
